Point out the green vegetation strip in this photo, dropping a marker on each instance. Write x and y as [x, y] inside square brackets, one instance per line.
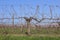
[12, 37]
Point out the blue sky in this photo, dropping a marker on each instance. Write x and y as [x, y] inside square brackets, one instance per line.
[28, 7]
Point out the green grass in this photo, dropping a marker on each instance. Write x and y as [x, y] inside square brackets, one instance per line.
[10, 37]
[50, 31]
[33, 31]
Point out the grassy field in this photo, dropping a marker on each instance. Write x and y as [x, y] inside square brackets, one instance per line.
[36, 34]
[15, 37]
[33, 31]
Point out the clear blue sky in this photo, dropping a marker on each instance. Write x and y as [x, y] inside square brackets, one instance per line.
[26, 9]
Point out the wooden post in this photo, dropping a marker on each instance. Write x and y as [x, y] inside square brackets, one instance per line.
[28, 27]
[21, 28]
[28, 20]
